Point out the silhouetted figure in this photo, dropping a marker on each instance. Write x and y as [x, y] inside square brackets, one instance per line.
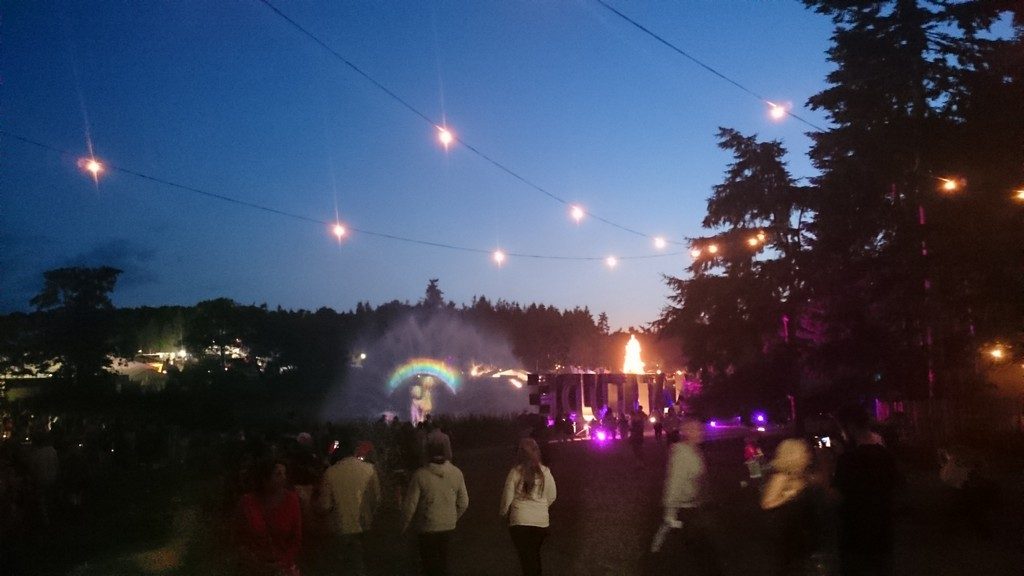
[866, 477]
[637, 426]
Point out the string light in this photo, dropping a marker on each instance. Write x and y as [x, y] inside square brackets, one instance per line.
[329, 225]
[499, 257]
[776, 111]
[445, 136]
[950, 184]
[659, 243]
[698, 62]
[405, 104]
[92, 166]
[1020, 195]
[339, 231]
[577, 213]
[761, 236]
[695, 253]
[753, 241]
[611, 261]
[712, 248]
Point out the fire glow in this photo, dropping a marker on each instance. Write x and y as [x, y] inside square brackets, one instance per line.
[633, 364]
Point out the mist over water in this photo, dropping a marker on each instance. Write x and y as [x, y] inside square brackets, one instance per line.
[364, 393]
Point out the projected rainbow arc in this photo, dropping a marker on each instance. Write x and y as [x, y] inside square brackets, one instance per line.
[424, 367]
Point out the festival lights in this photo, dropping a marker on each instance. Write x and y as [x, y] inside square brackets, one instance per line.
[611, 261]
[445, 136]
[339, 231]
[660, 243]
[92, 166]
[695, 253]
[577, 213]
[499, 257]
[776, 111]
[1019, 195]
[712, 248]
[753, 241]
[951, 184]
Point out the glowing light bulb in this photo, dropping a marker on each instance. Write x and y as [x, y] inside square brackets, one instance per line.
[660, 243]
[445, 136]
[499, 257]
[776, 111]
[1020, 195]
[713, 249]
[950, 184]
[611, 261]
[996, 353]
[91, 165]
[577, 213]
[339, 231]
[761, 236]
[695, 253]
[753, 241]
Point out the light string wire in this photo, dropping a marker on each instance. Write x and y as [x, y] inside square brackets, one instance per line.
[295, 216]
[703, 65]
[475, 150]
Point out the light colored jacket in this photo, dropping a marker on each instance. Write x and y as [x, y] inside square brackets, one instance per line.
[436, 498]
[350, 492]
[527, 509]
[683, 477]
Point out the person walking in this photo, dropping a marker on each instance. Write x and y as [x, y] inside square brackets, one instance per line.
[529, 492]
[350, 493]
[435, 500]
[792, 513]
[866, 478]
[682, 499]
[637, 427]
[270, 524]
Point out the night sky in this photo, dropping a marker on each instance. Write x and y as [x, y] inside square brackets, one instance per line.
[229, 98]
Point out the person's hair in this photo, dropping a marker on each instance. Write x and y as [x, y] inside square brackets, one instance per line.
[528, 462]
[264, 471]
[435, 451]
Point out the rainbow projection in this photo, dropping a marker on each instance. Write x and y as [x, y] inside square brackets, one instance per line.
[424, 367]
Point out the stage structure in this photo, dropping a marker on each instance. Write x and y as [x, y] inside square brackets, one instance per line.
[586, 394]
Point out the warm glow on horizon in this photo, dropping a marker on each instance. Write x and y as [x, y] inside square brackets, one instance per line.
[633, 364]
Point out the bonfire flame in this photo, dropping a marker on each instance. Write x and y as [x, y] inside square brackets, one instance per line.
[633, 363]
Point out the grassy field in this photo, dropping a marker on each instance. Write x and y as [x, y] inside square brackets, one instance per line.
[165, 522]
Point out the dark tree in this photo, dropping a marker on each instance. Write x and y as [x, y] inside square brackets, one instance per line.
[78, 321]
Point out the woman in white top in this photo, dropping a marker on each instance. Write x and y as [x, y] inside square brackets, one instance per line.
[529, 491]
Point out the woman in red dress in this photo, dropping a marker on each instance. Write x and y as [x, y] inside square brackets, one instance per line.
[270, 524]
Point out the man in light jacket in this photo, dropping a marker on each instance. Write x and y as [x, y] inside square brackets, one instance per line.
[350, 493]
[683, 498]
[434, 502]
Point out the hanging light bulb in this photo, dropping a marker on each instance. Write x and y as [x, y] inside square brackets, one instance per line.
[611, 261]
[713, 249]
[761, 236]
[776, 111]
[445, 136]
[577, 213]
[92, 166]
[753, 241]
[499, 257]
[339, 231]
[660, 243]
[695, 253]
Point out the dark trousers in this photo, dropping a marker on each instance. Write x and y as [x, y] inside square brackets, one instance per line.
[351, 558]
[434, 552]
[527, 540]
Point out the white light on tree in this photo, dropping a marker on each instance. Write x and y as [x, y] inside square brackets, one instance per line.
[660, 243]
[695, 253]
[577, 213]
[713, 249]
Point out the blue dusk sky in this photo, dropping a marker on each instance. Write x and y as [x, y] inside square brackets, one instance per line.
[228, 98]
